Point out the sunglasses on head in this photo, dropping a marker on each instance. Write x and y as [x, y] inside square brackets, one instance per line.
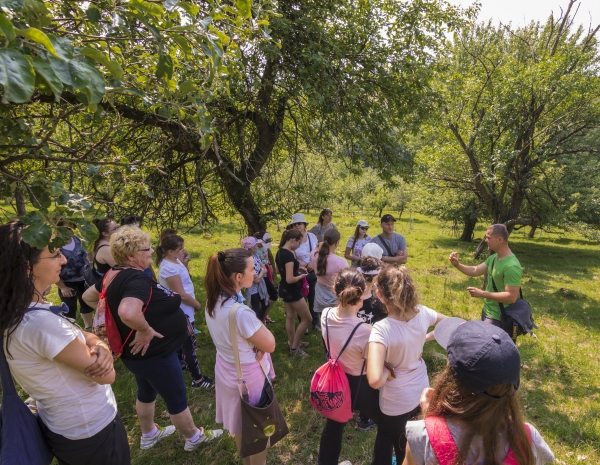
[267, 240]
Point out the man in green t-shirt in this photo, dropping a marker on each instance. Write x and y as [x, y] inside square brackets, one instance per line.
[507, 274]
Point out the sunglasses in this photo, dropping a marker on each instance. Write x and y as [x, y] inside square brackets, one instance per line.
[296, 224]
[364, 227]
[267, 241]
[145, 250]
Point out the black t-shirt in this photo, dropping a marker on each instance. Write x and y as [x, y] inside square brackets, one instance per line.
[163, 313]
[372, 311]
[285, 256]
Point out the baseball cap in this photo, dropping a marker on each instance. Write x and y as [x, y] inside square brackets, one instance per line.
[372, 250]
[387, 218]
[362, 223]
[480, 355]
[249, 242]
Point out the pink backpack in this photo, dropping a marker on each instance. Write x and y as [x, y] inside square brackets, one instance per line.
[329, 389]
[443, 444]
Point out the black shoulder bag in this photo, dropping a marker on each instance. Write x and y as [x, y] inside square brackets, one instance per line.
[311, 277]
[516, 319]
[384, 243]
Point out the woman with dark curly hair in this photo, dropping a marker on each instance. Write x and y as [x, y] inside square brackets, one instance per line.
[66, 370]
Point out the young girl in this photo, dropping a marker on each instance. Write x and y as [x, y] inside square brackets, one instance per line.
[103, 260]
[173, 275]
[395, 365]
[372, 309]
[327, 264]
[290, 290]
[323, 225]
[338, 323]
[227, 273]
[474, 403]
[356, 243]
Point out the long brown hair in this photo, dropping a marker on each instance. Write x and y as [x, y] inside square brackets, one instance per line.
[483, 417]
[349, 287]
[103, 226]
[356, 236]
[170, 242]
[221, 267]
[370, 264]
[330, 238]
[289, 234]
[398, 289]
[323, 213]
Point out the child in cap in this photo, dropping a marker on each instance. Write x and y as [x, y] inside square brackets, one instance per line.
[472, 415]
[257, 294]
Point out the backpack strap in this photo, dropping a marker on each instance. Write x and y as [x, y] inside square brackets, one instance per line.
[384, 243]
[441, 440]
[348, 340]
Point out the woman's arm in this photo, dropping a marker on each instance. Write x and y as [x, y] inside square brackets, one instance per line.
[90, 296]
[104, 256]
[289, 274]
[263, 340]
[130, 312]
[104, 362]
[377, 374]
[258, 278]
[78, 356]
[348, 255]
[176, 285]
[430, 336]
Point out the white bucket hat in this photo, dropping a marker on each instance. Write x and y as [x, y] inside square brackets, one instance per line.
[298, 218]
[372, 250]
[362, 223]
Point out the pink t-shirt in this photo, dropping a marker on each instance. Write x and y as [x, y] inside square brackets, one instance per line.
[356, 353]
[334, 264]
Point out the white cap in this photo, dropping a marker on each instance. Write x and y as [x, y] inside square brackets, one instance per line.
[372, 250]
[298, 218]
[362, 223]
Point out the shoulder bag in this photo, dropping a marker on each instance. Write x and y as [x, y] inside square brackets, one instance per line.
[263, 425]
[516, 319]
[384, 243]
[311, 276]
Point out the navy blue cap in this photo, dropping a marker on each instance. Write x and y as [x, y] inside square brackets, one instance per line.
[387, 218]
[480, 354]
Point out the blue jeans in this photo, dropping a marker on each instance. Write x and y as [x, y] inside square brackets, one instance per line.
[490, 320]
[161, 376]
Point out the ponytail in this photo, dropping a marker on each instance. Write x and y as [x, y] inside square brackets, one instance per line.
[289, 234]
[330, 238]
[349, 286]
[221, 267]
[167, 242]
[103, 226]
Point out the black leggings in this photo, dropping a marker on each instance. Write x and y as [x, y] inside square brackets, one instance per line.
[78, 290]
[396, 428]
[366, 400]
[188, 354]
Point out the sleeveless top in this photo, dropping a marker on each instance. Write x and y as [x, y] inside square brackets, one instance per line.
[101, 268]
[72, 271]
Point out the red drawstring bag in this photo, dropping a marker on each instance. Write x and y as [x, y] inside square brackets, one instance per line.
[113, 335]
[329, 389]
[444, 447]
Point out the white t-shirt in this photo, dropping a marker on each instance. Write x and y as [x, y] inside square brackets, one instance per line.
[69, 403]
[168, 269]
[423, 454]
[358, 249]
[340, 329]
[218, 327]
[303, 252]
[404, 341]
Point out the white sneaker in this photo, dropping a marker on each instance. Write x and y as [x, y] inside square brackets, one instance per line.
[206, 435]
[345, 462]
[149, 443]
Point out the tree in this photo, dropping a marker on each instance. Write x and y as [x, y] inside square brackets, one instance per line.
[513, 102]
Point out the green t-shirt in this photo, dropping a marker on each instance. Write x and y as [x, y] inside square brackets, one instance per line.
[507, 272]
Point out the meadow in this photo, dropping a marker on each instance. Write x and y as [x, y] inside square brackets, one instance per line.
[560, 380]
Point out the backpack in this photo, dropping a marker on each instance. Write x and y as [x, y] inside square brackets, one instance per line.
[444, 447]
[105, 326]
[329, 389]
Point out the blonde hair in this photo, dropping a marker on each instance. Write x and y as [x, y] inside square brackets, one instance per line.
[126, 241]
[398, 289]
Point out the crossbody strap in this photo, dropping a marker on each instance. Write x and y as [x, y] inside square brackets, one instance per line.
[496, 289]
[8, 385]
[384, 243]
[441, 440]
[235, 349]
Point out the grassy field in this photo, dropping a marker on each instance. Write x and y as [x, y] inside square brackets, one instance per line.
[560, 382]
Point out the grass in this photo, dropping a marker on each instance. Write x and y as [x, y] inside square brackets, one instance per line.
[560, 382]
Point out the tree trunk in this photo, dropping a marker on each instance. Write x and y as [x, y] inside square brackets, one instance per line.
[20, 202]
[468, 229]
[531, 234]
[243, 201]
[479, 249]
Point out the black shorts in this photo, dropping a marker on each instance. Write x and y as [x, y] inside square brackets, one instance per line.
[272, 290]
[290, 294]
[258, 305]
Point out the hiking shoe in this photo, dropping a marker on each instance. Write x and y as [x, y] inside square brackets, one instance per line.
[317, 327]
[298, 353]
[268, 321]
[149, 443]
[204, 382]
[366, 425]
[206, 435]
[345, 462]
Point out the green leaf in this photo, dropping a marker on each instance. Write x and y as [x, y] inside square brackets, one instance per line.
[183, 43]
[62, 235]
[187, 86]
[12, 4]
[38, 36]
[93, 14]
[6, 27]
[164, 67]
[63, 46]
[17, 76]
[81, 74]
[42, 199]
[190, 8]
[147, 7]
[37, 235]
[113, 66]
[244, 7]
[44, 69]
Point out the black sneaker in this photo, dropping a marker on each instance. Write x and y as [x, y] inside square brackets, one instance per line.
[366, 425]
[204, 382]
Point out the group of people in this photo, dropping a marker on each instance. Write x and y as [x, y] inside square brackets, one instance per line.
[471, 415]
